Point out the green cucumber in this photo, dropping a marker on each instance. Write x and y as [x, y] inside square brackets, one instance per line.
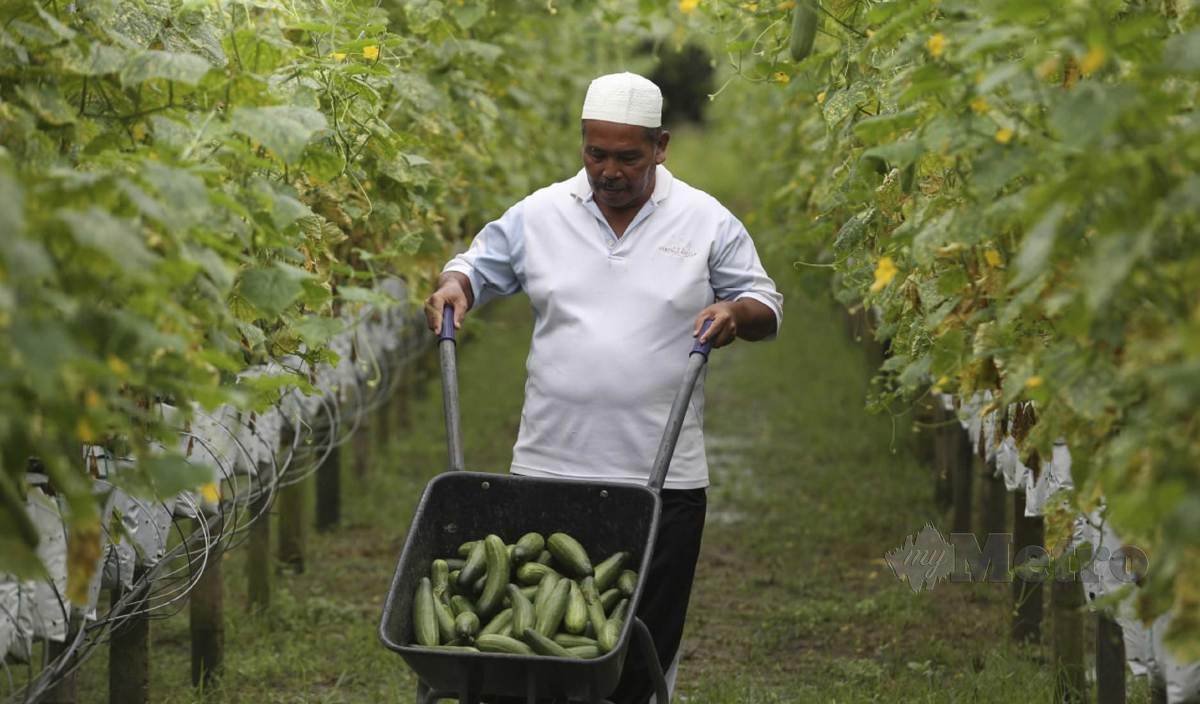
[545, 558]
[498, 623]
[497, 576]
[465, 549]
[533, 572]
[609, 635]
[591, 599]
[528, 547]
[576, 618]
[570, 554]
[455, 563]
[544, 646]
[522, 611]
[545, 588]
[806, 19]
[618, 614]
[474, 569]
[569, 640]
[439, 575]
[549, 614]
[445, 620]
[586, 652]
[466, 625]
[627, 582]
[460, 604]
[609, 599]
[495, 643]
[607, 571]
[425, 625]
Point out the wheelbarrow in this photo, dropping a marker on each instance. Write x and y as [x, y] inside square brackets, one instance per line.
[457, 506]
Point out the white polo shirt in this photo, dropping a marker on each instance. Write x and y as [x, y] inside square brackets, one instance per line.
[613, 322]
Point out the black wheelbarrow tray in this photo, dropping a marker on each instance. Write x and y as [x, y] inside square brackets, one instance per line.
[458, 506]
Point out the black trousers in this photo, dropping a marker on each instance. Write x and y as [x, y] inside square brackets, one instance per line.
[668, 588]
[665, 598]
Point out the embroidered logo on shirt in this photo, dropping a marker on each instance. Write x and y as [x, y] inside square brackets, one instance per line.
[677, 250]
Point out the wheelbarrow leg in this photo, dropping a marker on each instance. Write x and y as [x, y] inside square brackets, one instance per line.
[661, 696]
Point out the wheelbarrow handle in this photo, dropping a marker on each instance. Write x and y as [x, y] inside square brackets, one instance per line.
[446, 350]
[666, 447]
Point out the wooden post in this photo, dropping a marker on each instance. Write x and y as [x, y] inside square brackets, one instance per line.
[925, 421]
[329, 482]
[945, 442]
[1158, 692]
[129, 651]
[1028, 533]
[207, 611]
[292, 521]
[258, 561]
[1066, 606]
[1110, 661]
[383, 425]
[994, 516]
[963, 457]
[361, 447]
[64, 690]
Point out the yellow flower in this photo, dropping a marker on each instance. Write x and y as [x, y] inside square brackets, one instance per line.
[371, 53]
[936, 45]
[885, 271]
[1004, 135]
[1091, 61]
[83, 431]
[992, 257]
[211, 492]
[338, 56]
[1033, 382]
[821, 98]
[780, 77]
[688, 6]
[91, 399]
[117, 366]
[979, 105]
[750, 6]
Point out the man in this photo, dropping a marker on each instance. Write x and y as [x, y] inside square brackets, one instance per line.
[622, 264]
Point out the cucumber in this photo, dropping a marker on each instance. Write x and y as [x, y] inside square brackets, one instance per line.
[455, 648]
[576, 618]
[498, 623]
[545, 589]
[607, 571]
[805, 20]
[439, 575]
[618, 614]
[522, 611]
[425, 625]
[609, 599]
[609, 635]
[512, 551]
[465, 549]
[529, 591]
[533, 572]
[568, 640]
[544, 646]
[591, 599]
[586, 652]
[570, 554]
[497, 575]
[528, 547]
[445, 620]
[627, 582]
[545, 558]
[454, 576]
[495, 643]
[549, 614]
[460, 604]
[476, 564]
[466, 625]
[478, 585]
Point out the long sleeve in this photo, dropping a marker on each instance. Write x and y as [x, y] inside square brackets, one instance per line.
[489, 263]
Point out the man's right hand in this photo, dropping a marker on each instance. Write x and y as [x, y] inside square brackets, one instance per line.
[454, 289]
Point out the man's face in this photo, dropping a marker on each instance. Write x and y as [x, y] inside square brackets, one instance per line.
[620, 160]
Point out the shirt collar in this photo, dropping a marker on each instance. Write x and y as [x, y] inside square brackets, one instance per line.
[663, 180]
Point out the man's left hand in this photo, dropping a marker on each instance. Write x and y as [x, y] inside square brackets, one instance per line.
[752, 319]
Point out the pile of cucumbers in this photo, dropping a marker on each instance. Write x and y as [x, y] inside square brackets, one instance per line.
[538, 596]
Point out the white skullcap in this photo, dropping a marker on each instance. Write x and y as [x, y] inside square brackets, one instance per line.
[626, 98]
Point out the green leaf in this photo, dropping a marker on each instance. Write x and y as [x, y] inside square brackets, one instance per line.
[47, 103]
[167, 475]
[316, 330]
[167, 65]
[270, 289]
[365, 295]
[116, 238]
[880, 127]
[1037, 246]
[283, 129]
